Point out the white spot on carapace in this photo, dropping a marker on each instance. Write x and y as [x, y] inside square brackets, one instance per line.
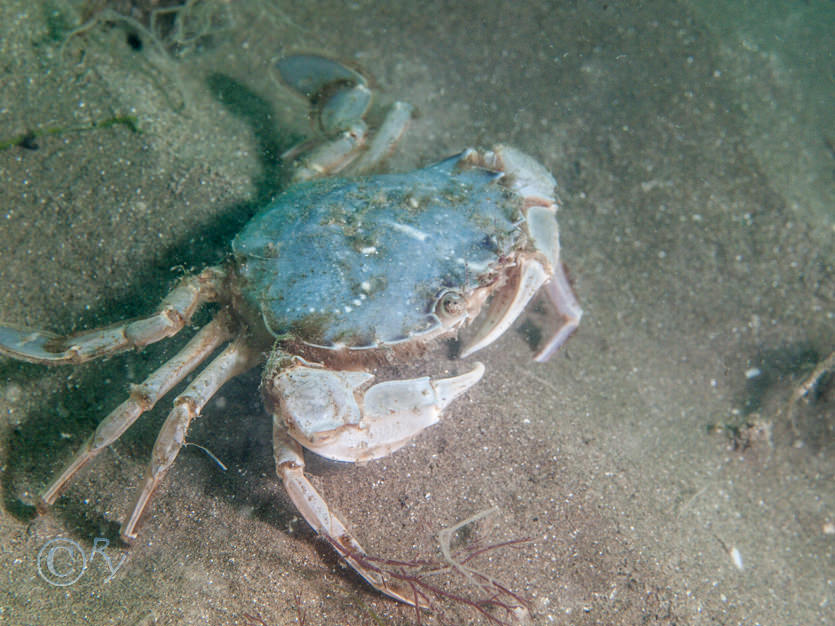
[369, 250]
[473, 267]
[365, 286]
[412, 232]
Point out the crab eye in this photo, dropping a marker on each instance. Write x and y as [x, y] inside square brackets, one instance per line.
[451, 304]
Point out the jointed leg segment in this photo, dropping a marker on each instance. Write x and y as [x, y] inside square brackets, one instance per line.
[174, 313]
[375, 421]
[562, 298]
[289, 465]
[142, 398]
[233, 361]
[37, 346]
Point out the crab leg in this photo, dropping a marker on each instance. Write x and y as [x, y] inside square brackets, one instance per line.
[508, 304]
[142, 398]
[386, 137]
[37, 346]
[234, 360]
[332, 156]
[330, 413]
[289, 465]
[340, 98]
[562, 297]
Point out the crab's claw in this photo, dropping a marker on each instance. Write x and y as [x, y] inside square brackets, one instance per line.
[336, 414]
[542, 266]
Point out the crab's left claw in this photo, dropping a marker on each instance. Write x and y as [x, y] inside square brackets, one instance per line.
[333, 414]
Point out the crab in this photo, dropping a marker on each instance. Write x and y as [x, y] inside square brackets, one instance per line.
[336, 277]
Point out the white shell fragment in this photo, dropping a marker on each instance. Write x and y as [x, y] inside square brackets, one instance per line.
[736, 557]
